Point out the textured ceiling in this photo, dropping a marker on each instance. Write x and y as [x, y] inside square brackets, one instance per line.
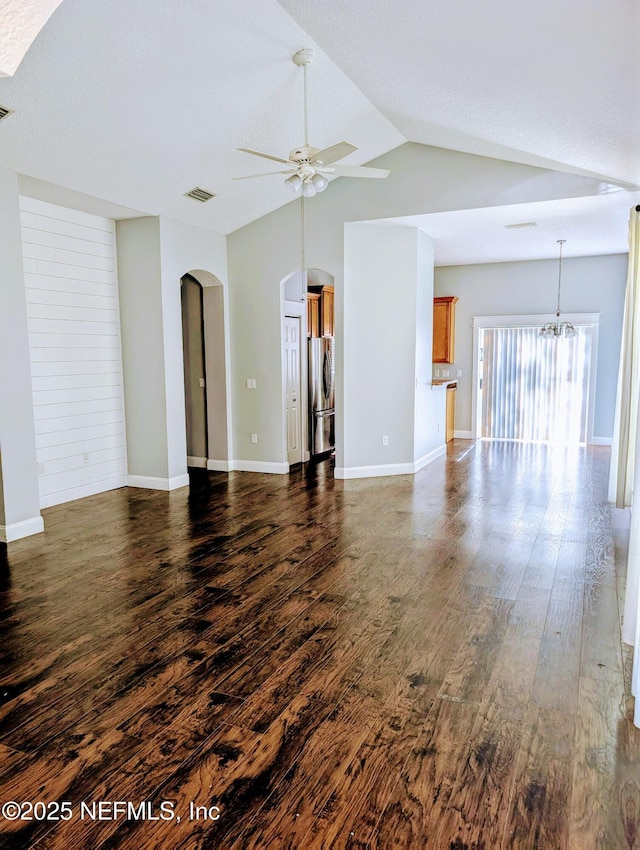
[135, 103]
[542, 82]
[20, 22]
[138, 102]
[592, 225]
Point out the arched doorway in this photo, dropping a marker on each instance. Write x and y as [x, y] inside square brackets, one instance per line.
[195, 392]
[205, 371]
[307, 346]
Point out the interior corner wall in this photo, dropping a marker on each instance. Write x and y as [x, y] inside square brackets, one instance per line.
[21, 503]
[380, 296]
[589, 285]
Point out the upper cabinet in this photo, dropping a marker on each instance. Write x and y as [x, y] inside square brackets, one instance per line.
[320, 311]
[313, 314]
[444, 329]
[327, 310]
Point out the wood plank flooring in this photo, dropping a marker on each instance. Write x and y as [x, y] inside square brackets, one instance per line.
[408, 662]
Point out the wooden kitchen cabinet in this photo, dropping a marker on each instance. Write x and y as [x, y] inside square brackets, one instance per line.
[327, 311]
[451, 410]
[444, 328]
[313, 314]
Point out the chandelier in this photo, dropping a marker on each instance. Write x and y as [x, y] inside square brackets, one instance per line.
[554, 330]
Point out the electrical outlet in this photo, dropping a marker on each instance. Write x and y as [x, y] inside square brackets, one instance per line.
[459, 373]
[254, 438]
[436, 373]
[385, 441]
[445, 373]
[201, 382]
[41, 469]
[85, 457]
[251, 383]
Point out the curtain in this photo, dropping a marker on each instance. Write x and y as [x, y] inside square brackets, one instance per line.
[534, 388]
[625, 450]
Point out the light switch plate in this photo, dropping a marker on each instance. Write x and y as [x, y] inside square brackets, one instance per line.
[251, 383]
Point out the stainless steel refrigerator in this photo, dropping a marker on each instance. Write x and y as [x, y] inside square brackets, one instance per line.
[322, 374]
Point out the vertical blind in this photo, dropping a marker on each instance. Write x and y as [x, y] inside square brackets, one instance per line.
[535, 389]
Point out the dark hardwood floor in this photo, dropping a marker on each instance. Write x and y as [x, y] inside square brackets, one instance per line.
[409, 662]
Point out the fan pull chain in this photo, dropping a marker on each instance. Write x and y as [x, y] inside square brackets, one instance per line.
[302, 257]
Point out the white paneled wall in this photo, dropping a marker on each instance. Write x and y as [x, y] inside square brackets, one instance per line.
[74, 340]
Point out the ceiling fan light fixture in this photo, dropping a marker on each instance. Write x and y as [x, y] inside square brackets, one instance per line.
[320, 183]
[308, 189]
[294, 183]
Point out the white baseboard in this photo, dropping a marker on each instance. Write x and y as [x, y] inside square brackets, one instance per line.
[389, 468]
[601, 441]
[82, 491]
[261, 466]
[148, 482]
[432, 455]
[200, 462]
[462, 435]
[219, 465]
[18, 530]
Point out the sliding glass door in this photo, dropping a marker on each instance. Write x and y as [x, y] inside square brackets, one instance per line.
[532, 388]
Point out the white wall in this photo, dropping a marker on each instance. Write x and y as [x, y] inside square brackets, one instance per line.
[422, 179]
[430, 405]
[74, 342]
[589, 285]
[388, 291]
[20, 511]
[143, 355]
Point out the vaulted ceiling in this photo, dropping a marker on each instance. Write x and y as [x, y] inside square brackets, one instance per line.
[135, 103]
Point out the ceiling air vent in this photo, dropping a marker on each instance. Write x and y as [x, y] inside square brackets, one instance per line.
[520, 224]
[4, 112]
[199, 194]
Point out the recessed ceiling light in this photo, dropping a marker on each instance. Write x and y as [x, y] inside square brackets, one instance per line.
[199, 194]
[520, 224]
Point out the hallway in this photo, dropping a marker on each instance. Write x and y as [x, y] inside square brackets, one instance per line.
[420, 662]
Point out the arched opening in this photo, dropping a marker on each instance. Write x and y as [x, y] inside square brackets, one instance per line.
[195, 391]
[205, 371]
[308, 358]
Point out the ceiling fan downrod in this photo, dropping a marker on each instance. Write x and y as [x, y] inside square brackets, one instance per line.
[303, 58]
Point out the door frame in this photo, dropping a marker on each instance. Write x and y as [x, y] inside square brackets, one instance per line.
[527, 321]
[296, 310]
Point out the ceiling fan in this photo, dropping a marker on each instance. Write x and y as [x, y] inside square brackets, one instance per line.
[308, 165]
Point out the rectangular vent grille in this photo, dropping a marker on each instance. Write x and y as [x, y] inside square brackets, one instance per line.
[199, 194]
[520, 224]
[4, 112]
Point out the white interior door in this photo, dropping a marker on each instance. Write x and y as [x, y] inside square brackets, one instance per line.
[291, 350]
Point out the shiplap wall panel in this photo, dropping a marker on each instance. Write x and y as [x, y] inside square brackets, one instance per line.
[74, 339]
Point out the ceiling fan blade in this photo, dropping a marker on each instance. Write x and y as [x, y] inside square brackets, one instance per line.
[332, 154]
[264, 174]
[267, 156]
[360, 171]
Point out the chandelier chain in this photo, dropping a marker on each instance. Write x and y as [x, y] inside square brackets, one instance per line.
[560, 243]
